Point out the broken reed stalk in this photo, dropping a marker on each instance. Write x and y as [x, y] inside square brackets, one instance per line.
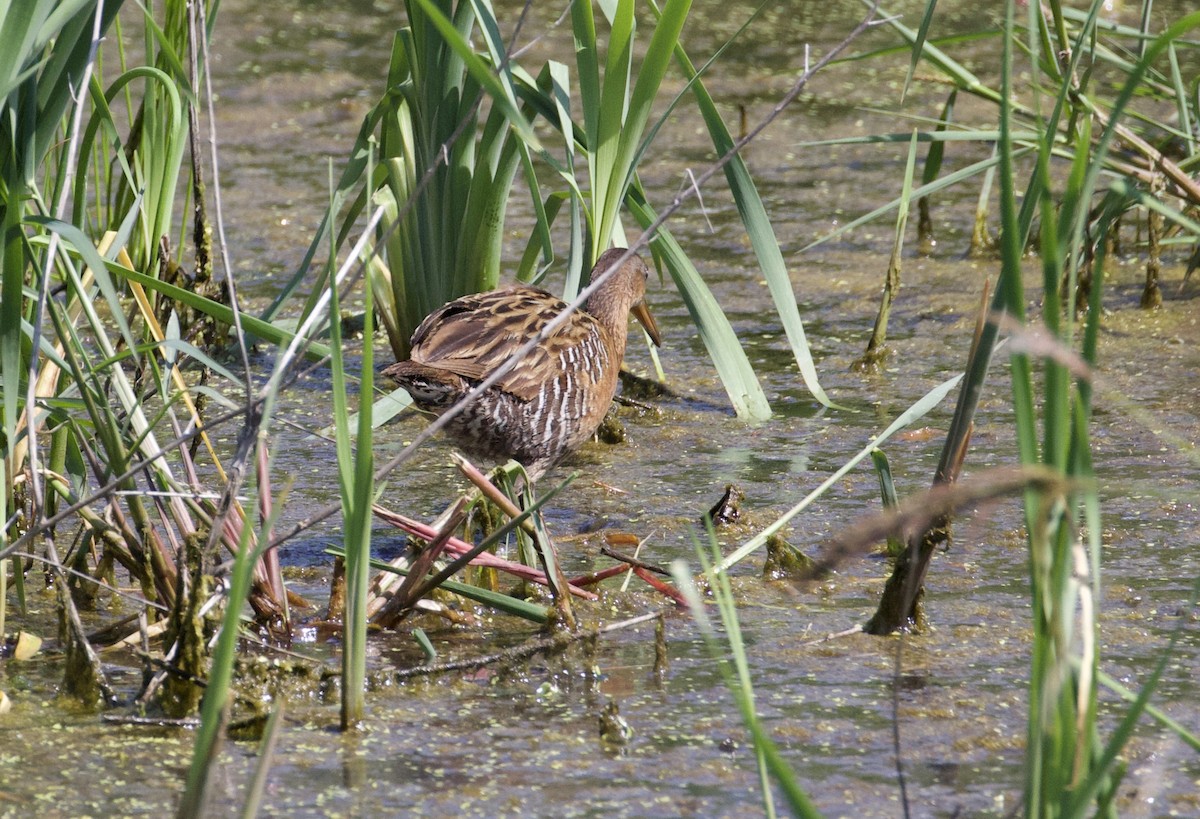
[876, 347]
[386, 608]
[899, 605]
[458, 547]
[1152, 294]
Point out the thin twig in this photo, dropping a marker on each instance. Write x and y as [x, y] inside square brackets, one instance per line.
[553, 326]
[556, 643]
[633, 561]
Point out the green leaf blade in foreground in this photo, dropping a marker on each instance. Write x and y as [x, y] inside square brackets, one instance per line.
[214, 708]
[483, 73]
[587, 66]
[918, 46]
[758, 226]
[738, 678]
[20, 23]
[605, 142]
[927, 402]
[737, 375]
[645, 90]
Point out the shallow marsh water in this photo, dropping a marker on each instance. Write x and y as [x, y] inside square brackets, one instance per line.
[294, 80]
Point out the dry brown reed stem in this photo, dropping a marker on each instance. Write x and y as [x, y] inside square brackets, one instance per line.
[412, 586]
[269, 597]
[899, 603]
[1156, 160]
[268, 573]
[608, 551]
[384, 585]
[592, 578]
[1152, 294]
[491, 492]
[662, 588]
[558, 585]
[920, 511]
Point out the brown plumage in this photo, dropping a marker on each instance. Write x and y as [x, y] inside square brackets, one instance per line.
[554, 399]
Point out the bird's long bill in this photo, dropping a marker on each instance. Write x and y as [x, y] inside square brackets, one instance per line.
[642, 313]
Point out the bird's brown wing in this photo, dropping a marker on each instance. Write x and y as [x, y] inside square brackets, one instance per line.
[474, 335]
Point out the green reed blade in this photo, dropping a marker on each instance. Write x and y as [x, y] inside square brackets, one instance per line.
[760, 230]
[214, 709]
[919, 409]
[738, 679]
[918, 46]
[737, 375]
[498, 86]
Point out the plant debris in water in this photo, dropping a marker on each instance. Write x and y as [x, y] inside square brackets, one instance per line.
[786, 562]
[729, 508]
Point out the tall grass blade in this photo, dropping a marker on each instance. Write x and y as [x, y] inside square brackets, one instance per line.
[45, 52]
[266, 331]
[214, 710]
[1190, 738]
[738, 679]
[926, 403]
[758, 227]
[891, 285]
[918, 46]
[975, 168]
[357, 487]
[958, 73]
[615, 116]
[266, 754]
[737, 375]
[497, 84]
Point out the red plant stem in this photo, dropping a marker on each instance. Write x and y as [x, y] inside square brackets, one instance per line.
[456, 546]
[659, 586]
[595, 577]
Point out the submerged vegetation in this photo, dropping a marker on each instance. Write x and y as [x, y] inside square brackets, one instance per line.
[139, 433]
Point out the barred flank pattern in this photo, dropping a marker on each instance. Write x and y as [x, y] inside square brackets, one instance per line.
[554, 399]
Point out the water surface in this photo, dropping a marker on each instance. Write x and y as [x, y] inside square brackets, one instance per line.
[294, 79]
